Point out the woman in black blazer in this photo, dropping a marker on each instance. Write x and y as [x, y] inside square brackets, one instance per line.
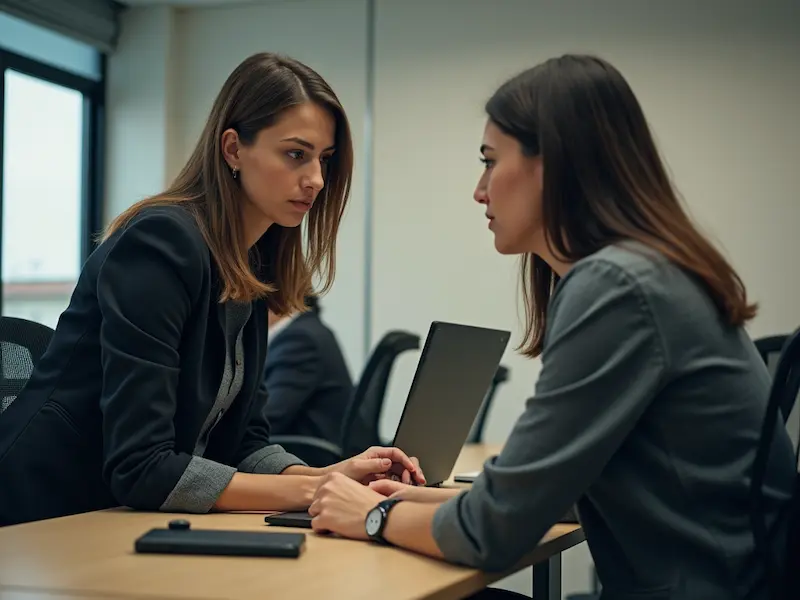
[150, 394]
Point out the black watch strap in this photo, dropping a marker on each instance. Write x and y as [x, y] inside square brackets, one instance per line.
[384, 507]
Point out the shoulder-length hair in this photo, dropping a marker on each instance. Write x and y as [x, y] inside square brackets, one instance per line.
[253, 98]
[604, 182]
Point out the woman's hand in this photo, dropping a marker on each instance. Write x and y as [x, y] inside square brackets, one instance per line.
[396, 489]
[380, 463]
[341, 505]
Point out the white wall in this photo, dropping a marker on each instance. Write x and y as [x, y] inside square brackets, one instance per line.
[139, 128]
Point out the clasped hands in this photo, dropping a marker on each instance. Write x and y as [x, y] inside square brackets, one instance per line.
[343, 498]
[380, 464]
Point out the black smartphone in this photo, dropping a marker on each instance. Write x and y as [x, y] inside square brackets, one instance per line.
[289, 519]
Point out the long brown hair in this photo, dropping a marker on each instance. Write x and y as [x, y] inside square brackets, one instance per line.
[253, 98]
[604, 182]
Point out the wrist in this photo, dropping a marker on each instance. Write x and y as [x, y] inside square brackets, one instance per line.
[391, 524]
[339, 467]
[329, 469]
[378, 518]
[299, 470]
[309, 488]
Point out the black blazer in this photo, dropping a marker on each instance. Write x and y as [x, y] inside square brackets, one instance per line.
[307, 380]
[112, 411]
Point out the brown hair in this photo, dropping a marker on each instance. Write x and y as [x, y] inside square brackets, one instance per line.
[253, 98]
[604, 182]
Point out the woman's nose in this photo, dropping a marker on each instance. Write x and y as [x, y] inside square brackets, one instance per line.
[315, 179]
[480, 195]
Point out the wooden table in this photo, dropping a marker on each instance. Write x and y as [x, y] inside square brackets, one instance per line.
[39, 594]
[91, 556]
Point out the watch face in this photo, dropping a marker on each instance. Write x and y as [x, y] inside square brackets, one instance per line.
[374, 519]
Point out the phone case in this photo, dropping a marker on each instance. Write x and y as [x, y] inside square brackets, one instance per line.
[221, 542]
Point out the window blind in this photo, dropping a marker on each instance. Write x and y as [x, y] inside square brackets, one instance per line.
[94, 22]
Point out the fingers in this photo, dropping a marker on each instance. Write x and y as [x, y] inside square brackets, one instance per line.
[418, 473]
[376, 466]
[407, 469]
[318, 527]
[314, 509]
[385, 487]
[391, 489]
[398, 473]
[395, 455]
[367, 469]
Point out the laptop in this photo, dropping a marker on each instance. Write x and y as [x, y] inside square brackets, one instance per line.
[454, 373]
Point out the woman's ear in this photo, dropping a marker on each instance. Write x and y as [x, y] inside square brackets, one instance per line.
[230, 148]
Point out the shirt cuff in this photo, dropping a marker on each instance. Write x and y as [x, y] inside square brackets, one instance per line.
[450, 536]
[270, 460]
[201, 484]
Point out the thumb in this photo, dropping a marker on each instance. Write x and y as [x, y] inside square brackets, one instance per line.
[385, 487]
[369, 466]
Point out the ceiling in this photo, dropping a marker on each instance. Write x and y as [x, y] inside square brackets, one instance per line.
[189, 2]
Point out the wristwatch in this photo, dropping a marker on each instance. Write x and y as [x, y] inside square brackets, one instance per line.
[376, 519]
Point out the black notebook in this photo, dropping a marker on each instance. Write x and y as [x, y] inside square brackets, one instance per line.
[220, 542]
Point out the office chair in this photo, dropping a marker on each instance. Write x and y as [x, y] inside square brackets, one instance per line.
[315, 452]
[770, 347]
[362, 417]
[22, 344]
[782, 573]
[476, 433]
[360, 428]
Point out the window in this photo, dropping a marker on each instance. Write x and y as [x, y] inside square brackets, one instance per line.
[50, 177]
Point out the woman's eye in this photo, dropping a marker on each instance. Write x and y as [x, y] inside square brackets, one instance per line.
[296, 154]
[325, 159]
[487, 163]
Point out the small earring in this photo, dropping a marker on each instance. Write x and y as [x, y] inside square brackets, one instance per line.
[235, 172]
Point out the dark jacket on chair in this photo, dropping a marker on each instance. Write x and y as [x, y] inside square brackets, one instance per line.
[114, 409]
[307, 380]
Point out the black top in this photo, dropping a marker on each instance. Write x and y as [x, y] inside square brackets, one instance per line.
[307, 379]
[115, 407]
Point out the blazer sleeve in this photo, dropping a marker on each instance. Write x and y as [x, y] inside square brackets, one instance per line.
[603, 363]
[291, 376]
[146, 288]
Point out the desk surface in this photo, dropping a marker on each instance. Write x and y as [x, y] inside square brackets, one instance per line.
[92, 555]
[7, 593]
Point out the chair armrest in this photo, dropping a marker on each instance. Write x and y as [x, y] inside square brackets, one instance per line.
[315, 452]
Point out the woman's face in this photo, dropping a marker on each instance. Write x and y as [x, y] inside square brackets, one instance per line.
[511, 190]
[283, 171]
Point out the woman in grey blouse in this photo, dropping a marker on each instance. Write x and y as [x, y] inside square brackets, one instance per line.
[649, 405]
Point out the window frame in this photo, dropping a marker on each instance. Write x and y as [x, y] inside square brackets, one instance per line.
[93, 166]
